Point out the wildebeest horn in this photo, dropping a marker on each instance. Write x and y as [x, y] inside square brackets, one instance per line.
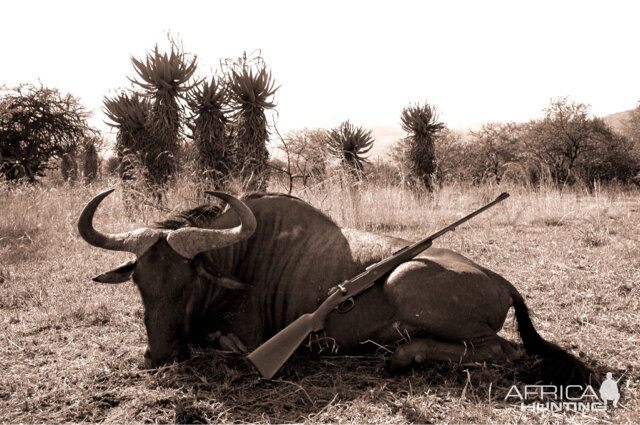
[189, 241]
[136, 241]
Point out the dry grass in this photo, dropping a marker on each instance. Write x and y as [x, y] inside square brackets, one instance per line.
[71, 350]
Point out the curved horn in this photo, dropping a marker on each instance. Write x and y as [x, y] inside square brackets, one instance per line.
[136, 241]
[190, 241]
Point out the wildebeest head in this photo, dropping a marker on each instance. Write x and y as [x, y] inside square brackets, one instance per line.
[165, 270]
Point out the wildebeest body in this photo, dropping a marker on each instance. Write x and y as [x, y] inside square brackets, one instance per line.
[297, 254]
[448, 307]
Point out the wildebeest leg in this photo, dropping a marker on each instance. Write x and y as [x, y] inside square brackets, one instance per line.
[448, 297]
[491, 349]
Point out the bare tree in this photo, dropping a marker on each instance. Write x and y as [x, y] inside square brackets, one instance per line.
[574, 144]
[305, 154]
[449, 151]
[492, 148]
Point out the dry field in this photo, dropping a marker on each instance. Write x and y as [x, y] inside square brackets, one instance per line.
[71, 350]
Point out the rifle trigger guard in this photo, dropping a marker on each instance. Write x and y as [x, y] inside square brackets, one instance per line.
[346, 305]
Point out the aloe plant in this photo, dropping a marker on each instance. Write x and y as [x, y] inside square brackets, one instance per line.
[207, 104]
[422, 124]
[129, 114]
[164, 79]
[251, 88]
[90, 160]
[350, 144]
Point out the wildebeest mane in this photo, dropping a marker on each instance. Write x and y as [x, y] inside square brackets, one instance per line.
[195, 217]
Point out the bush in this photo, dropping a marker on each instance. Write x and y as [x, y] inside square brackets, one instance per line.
[38, 124]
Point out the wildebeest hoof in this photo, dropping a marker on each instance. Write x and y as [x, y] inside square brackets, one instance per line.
[394, 367]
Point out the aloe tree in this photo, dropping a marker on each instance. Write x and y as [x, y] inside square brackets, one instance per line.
[209, 130]
[164, 79]
[251, 90]
[69, 166]
[90, 159]
[350, 144]
[421, 122]
[129, 113]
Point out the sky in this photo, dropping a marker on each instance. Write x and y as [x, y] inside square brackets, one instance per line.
[476, 61]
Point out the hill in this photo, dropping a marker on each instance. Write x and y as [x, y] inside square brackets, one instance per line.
[617, 120]
[385, 136]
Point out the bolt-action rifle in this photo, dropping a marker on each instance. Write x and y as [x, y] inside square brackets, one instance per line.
[272, 354]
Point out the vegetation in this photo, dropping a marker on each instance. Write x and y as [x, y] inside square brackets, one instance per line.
[632, 127]
[575, 145]
[306, 152]
[451, 152]
[251, 88]
[568, 146]
[226, 119]
[209, 131]
[350, 144]
[421, 122]
[90, 159]
[632, 132]
[38, 125]
[129, 114]
[163, 79]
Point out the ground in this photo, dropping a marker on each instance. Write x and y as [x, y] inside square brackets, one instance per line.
[72, 350]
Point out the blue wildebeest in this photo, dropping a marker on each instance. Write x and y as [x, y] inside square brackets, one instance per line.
[250, 271]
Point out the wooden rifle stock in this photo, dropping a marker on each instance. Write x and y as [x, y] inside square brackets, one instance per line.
[269, 357]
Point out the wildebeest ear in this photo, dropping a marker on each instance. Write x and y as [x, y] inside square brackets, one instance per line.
[120, 274]
[227, 282]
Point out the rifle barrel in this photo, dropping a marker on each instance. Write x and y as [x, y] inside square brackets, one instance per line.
[408, 252]
[468, 217]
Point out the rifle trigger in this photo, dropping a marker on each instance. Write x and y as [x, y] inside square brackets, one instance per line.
[346, 305]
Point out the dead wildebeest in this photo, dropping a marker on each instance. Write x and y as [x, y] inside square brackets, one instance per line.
[250, 271]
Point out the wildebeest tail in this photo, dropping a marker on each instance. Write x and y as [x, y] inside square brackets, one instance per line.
[557, 365]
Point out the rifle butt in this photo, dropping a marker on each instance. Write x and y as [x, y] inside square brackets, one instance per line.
[273, 354]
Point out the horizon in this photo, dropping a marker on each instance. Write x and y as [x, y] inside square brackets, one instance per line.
[477, 63]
